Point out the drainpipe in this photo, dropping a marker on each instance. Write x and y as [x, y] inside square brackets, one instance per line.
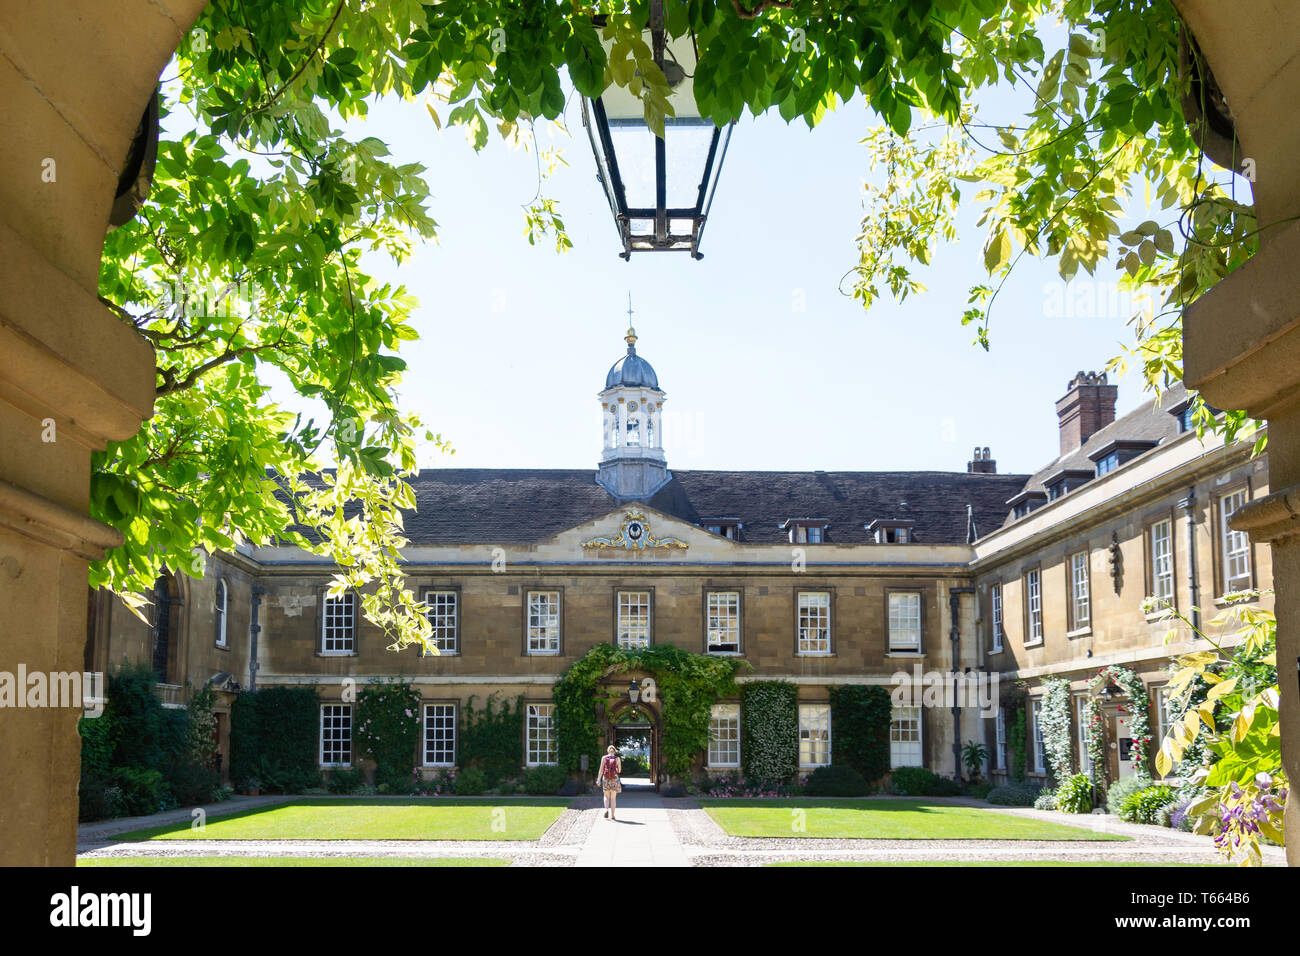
[954, 599]
[1188, 505]
[254, 630]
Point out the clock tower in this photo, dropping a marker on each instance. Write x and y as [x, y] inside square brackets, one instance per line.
[632, 464]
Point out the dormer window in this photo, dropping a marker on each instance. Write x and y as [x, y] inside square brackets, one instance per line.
[891, 531]
[1055, 490]
[1025, 502]
[1120, 452]
[728, 528]
[805, 530]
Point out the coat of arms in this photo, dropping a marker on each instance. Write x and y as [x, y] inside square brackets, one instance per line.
[634, 535]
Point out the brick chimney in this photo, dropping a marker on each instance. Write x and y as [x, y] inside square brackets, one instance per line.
[982, 462]
[1088, 406]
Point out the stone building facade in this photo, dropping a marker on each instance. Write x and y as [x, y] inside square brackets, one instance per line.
[816, 578]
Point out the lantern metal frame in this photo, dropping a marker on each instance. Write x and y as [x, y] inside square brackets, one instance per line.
[660, 238]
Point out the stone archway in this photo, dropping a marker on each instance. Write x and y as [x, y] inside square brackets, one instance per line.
[76, 78]
[618, 710]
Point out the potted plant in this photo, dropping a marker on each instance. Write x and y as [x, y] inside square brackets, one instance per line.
[973, 756]
[251, 787]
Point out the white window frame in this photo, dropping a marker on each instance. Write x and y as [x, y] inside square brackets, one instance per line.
[437, 742]
[814, 735]
[338, 628]
[1162, 560]
[633, 619]
[1034, 606]
[814, 616]
[444, 618]
[722, 620]
[1000, 739]
[906, 744]
[220, 607]
[1234, 546]
[341, 733]
[724, 736]
[540, 740]
[1036, 734]
[1080, 593]
[904, 622]
[995, 605]
[543, 622]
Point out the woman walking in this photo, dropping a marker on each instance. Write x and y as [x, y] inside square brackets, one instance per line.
[611, 765]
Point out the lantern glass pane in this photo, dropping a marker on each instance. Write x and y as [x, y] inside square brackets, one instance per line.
[687, 151]
[634, 151]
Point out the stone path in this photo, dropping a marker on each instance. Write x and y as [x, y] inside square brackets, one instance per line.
[652, 831]
[642, 835]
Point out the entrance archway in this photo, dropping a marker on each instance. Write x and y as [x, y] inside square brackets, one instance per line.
[637, 740]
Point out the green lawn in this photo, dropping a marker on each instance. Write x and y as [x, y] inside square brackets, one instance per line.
[290, 861]
[875, 819]
[361, 819]
[974, 863]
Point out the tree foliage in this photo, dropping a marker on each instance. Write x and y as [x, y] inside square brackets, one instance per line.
[245, 265]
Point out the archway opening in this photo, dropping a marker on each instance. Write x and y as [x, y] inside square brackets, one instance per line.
[634, 730]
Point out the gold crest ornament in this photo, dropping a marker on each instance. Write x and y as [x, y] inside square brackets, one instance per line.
[634, 535]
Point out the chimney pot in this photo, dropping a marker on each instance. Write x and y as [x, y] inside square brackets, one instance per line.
[982, 462]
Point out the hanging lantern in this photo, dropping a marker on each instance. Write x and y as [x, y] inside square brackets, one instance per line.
[659, 189]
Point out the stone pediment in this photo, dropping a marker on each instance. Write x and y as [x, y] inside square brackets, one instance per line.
[633, 530]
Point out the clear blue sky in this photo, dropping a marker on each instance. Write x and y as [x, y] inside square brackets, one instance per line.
[516, 340]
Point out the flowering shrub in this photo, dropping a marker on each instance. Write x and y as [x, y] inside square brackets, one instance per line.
[1055, 719]
[736, 787]
[388, 730]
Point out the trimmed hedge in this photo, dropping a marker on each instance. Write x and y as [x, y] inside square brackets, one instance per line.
[861, 714]
[274, 738]
[770, 731]
[836, 780]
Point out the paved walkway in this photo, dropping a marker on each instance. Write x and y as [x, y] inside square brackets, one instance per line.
[642, 835]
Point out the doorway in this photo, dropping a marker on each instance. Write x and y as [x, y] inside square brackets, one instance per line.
[636, 735]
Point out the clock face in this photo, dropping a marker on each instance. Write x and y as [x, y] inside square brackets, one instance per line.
[631, 406]
[634, 531]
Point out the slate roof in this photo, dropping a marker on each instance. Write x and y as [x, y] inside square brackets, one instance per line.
[1152, 421]
[488, 505]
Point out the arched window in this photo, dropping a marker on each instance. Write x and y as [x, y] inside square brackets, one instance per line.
[162, 626]
[220, 601]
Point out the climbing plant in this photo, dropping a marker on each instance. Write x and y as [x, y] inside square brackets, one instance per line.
[1138, 712]
[1055, 717]
[860, 714]
[769, 746]
[687, 686]
[388, 728]
[491, 738]
[1017, 731]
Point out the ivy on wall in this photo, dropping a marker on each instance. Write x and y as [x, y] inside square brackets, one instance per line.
[687, 686]
[769, 748]
[492, 738]
[861, 715]
[1017, 718]
[1055, 718]
[388, 728]
[274, 738]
